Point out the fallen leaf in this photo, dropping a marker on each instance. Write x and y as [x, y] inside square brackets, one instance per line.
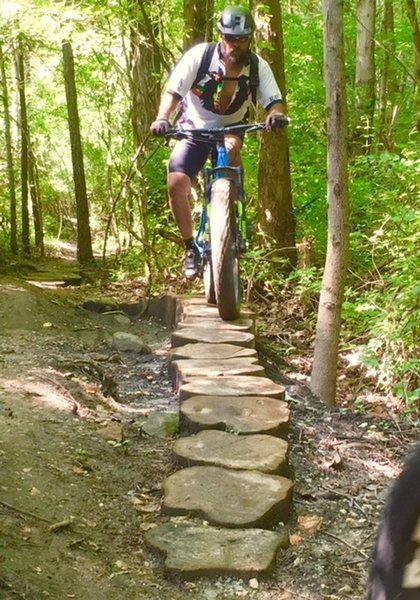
[295, 539]
[310, 524]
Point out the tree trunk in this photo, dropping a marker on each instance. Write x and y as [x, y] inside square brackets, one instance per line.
[145, 62]
[324, 369]
[277, 218]
[198, 21]
[412, 15]
[84, 238]
[365, 77]
[36, 202]
[387, 85]
[23, 122]
[9, 156]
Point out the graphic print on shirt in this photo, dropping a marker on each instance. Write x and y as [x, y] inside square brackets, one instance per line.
[209, 93]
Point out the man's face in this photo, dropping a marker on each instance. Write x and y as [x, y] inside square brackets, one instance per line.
[235, 48]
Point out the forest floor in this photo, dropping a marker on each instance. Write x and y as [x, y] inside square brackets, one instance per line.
[81, 480]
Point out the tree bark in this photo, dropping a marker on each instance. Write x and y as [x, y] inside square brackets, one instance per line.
[277, 218]
[388, 86]
[365, 77]
[23, 123]
[412, 15]
[198, 21]
[9, 157]
[324, 369]
[36, 202]
[145, 64]
[84, 238]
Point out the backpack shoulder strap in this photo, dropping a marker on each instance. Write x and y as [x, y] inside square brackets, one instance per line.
[203, 69]
[254, 79]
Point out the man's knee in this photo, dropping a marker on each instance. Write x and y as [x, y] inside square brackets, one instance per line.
[179, 186]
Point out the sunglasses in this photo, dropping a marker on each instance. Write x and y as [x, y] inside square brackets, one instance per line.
[241, 39]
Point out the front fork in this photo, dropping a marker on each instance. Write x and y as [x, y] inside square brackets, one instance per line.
[202, 238]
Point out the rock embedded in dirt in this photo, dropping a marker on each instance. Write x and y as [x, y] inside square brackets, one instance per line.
[192, 551]
[128, 342]
[264, 453]
[228, 498]
[122, 320]
[112, 431]
[243, 415]
[162, 424]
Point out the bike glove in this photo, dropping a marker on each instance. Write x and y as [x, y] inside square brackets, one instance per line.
[276, 121]
[160, 127]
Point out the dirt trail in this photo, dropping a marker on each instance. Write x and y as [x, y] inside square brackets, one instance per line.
[80, 480]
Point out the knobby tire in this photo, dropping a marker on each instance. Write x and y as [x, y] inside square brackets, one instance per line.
[209, 281]
[224, 249]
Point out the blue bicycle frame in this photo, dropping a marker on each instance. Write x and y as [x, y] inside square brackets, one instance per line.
[221, 168]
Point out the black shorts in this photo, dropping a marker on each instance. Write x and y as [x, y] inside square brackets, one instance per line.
[189, 157]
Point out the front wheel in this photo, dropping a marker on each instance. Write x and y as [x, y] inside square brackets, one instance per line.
[224, 248]
[209, 281]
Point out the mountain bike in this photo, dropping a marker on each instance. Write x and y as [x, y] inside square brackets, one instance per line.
[222, 232]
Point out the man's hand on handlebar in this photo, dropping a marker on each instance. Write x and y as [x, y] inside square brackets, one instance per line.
[160, 127]
[276, 121]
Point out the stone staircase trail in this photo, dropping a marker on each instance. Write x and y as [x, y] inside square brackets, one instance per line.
[231, 495]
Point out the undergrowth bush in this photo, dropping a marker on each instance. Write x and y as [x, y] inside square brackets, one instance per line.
[380, 311]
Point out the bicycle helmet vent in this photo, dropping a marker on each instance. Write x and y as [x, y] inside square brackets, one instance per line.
[237, 21]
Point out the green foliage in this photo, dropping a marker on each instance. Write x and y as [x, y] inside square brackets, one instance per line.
[381, 304]
[381, 307]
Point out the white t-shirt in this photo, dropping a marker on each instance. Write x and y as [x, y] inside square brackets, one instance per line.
[200, 104]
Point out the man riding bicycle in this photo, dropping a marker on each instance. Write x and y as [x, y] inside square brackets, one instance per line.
[221, 97]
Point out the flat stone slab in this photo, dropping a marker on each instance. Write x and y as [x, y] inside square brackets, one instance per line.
[192, 551]
[243, 415]
[228, 498]
[200, 308]
[217, 324]
[202, 350]
[182, 371]
[211, 335]
[263, 453]
[242, 385]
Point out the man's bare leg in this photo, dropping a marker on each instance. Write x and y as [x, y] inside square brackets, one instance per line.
[179, 190]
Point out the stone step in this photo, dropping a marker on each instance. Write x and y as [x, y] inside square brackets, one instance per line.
[182, 371]
[228, 498]
[243, 415]
[243, 385]
[212, 336]
[192, 551]
[205, 351]
[198, 307]
[217, 324]
[263, 453]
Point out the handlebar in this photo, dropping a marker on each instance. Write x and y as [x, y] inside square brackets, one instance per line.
[214, 134]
